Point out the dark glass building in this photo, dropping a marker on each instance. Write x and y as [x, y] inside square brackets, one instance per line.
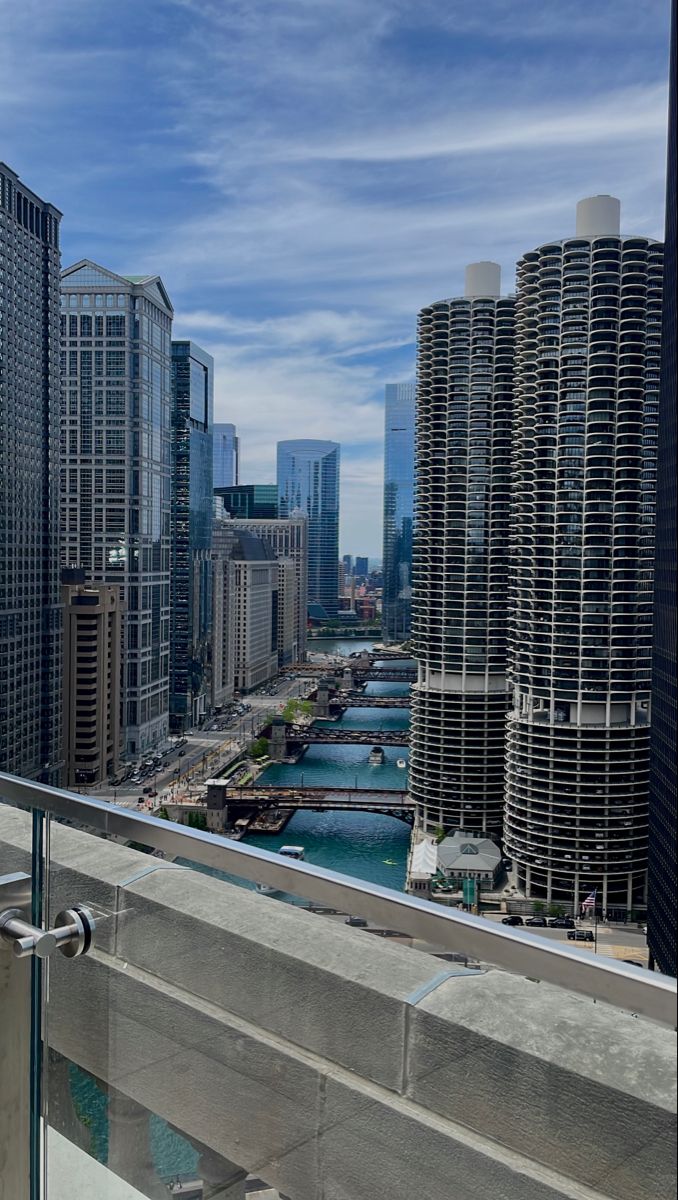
[191, 600]
[250, 501]
[30, 600]
[400, 407]
[662, 882]
[308, 481]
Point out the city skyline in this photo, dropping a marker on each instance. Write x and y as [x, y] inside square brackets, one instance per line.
[276, 241]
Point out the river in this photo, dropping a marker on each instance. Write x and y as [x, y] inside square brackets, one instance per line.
[367, 845]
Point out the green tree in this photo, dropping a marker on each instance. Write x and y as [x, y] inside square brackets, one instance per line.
[258, 748]
[538, 907]
[162, 813]
[556, 910]
[197, 820]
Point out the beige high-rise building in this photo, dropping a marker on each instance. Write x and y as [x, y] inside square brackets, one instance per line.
[289, 538]
[92, 678]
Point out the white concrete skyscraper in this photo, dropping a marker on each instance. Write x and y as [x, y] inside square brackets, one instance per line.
[584, 476]
[459, 610]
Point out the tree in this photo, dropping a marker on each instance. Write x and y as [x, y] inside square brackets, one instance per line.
[258, 748]
[556, 910]
[197, 820]
[538, 906]
[162, 813]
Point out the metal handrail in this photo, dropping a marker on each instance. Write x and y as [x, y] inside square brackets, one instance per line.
[627, 987]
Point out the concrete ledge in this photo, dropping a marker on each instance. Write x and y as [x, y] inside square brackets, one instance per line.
[337, 1066]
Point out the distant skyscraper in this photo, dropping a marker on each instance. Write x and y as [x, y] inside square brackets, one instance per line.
[308, 480]
[250, 501]
[30, 600]
[460, 595]
[347, 564]
[362, 567]
[662, 883]
[115, 476]
[191, 570]
[289, 539]
[399, 413]
[226, 455]
[582, 524]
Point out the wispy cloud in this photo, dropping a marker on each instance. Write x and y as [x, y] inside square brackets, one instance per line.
[305, 174]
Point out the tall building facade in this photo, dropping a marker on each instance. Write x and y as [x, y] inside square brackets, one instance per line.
[308, 481]
[92, 679]
[30, 600]
[191, 560]
[254, 587]
[662, 881]
[460, 596]
[585, 446]
[250, 501]
[289, 539]
[226, 455]
[399, 414]
[115, 468]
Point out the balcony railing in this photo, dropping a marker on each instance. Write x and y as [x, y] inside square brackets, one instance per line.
[215, 1037]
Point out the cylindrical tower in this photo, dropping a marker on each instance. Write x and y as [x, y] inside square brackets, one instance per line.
[463, 463]
[584, 463]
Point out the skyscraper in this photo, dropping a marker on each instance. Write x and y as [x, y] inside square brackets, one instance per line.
[30, 601]
[662, 883]
[399, 412]
[115, 468]
[226, 455]
[582, 524]
[192, 497]
[308, 480]
[250, 501]
[289, 539]
[460, 601]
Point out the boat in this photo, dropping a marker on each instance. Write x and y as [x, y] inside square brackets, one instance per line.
[402, 763]
[266, 889]
[376, 756]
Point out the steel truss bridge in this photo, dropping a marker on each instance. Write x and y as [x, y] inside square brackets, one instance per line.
[321, 799]
[327, 735]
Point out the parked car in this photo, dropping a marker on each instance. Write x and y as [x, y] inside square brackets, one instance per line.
[147, 791]
[561, 923]
[181, 754]
[540, 922]
[359, 922]
[512, 920]
[580, 935]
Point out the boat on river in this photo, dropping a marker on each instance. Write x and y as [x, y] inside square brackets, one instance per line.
[266, 889]
[402, 763]
[376, 756]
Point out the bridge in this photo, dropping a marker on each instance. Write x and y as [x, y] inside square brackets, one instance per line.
[360, 700]
[357, 669]
[327, 735]
[260, 797]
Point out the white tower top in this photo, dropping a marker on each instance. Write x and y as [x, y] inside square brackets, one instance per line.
[483, 279]
[598, 215]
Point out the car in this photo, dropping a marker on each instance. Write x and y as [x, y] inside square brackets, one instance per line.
[181, 754]
[561, 923]
[580, 935]
[539, 922]
[512, 920]
[358, 922]
[189, 733]
[147, 791]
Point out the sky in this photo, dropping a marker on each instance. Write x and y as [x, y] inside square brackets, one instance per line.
[306, 174]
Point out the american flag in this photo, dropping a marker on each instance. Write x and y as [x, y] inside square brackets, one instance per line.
[590, 901]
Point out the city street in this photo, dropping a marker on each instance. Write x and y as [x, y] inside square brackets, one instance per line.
[207, 750]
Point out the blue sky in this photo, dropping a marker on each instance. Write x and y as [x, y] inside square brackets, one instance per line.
[305, 174]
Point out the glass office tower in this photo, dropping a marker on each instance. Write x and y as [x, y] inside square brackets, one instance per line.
[582, 525]
[465, 349]
[662, 883]
[115, 468]
[30, 600]
[226, 455]
[190, 592]
[250, 501]
[308, 480]
[399, 414]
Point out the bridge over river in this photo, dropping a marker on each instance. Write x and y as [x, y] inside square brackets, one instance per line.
[260, 797]
[333, 735]
[357, 669]
[360, 700]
